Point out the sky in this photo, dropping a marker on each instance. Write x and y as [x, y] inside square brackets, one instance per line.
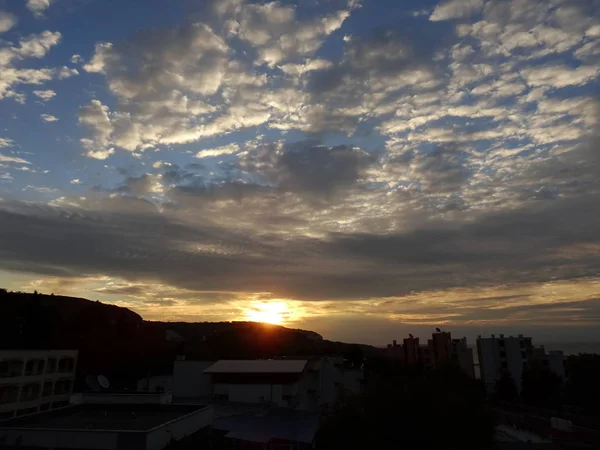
[363, 169]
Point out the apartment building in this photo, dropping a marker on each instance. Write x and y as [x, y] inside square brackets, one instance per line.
[35, 380]
[503, 354]
[439, 351]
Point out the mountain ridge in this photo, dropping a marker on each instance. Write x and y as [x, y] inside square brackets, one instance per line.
[117, 341]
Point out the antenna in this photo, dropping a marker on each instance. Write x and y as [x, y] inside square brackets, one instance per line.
[103, 382]
[411, 336]
[92, 383]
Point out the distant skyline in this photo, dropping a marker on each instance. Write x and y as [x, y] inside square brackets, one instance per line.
[361, 169]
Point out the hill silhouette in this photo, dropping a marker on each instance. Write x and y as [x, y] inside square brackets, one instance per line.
[119, 343]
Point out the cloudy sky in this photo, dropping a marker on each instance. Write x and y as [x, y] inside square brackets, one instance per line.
[364, 169]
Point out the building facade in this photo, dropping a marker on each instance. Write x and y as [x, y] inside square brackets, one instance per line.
[499, 355]
[35, 380]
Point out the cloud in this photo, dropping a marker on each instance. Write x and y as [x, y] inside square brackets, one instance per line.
[306, 167]
[7, 21]
[40, 189]
[76, 181]
[559, 76]
[38, 7]
[12, 159]
[13, 73]
[5, 142]
[166, 97]
[456, 9]
[49, 118]
[100, 154]
[77, 59]
[45, 95]
[96, 117]
[277, 35]
[229, 149]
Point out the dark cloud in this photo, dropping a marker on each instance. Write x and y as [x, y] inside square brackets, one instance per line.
[308, 168]
[124, 238]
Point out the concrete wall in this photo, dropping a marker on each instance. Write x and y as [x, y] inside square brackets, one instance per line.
[101, 440]
[99, 398]
[189, 379]
[159, 437]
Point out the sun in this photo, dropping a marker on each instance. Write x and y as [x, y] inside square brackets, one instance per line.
[268, 312]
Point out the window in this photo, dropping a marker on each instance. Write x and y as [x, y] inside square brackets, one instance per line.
[504, 365]
[47, 391]
[522, 344]
[523, 355]
[8, 394]
[501, 342]
[51, 365]
[502, 354]
[222, 397]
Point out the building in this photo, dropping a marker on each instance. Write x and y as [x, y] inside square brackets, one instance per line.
[277, 382]
[189, 379]
[163, 383]
[554, 360]
[106, 427]
[462, 354]
[499, 355]
[411, 350]
[440, 348]
[395, 351]
[309, 384]
[35, 380]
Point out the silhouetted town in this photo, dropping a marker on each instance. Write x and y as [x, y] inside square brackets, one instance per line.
[507, 392]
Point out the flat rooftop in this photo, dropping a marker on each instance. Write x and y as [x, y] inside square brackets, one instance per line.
[257, 366]
[103, 417]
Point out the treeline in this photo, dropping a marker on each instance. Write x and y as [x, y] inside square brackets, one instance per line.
[578, 394]
[415, 408]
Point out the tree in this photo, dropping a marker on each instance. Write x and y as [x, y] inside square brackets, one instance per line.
[505, 389]
[439, 409]
[541, 387]
[583, 388]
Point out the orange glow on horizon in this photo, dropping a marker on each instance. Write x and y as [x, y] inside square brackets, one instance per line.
[274, 313]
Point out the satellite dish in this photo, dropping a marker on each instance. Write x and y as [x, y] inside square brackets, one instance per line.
[438, 330]
[103, 382]
[410, 335]
[92, 383]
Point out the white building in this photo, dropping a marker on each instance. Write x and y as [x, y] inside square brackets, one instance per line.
[35, 380]
[503, 354]
[306, 385]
